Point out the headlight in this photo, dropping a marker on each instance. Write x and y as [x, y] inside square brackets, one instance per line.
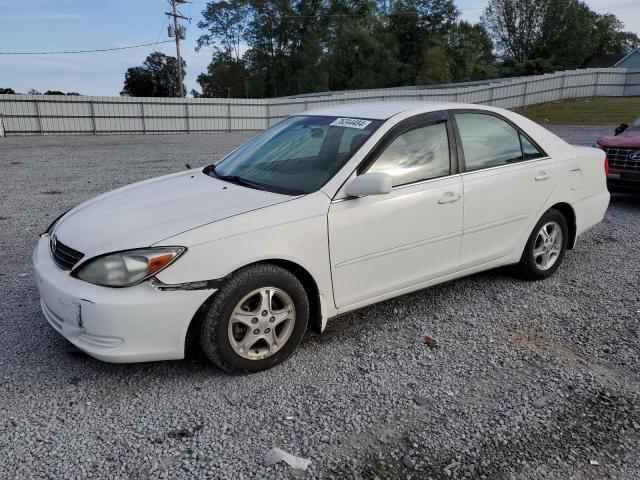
[124, 269]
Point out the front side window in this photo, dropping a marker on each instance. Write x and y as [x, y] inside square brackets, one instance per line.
[416, 155]
[487, 141]
[296, 156]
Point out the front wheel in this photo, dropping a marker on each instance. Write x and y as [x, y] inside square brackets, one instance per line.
[256, 320]
[546, 246]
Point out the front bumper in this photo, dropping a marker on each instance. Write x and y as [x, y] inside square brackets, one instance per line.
[623, 182]
[132, 324]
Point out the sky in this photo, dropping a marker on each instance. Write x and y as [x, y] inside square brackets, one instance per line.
[62, 25]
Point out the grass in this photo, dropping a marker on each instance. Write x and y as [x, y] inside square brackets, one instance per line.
[585, 111]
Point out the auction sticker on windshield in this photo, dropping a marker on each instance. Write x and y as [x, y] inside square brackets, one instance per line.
[350, 123]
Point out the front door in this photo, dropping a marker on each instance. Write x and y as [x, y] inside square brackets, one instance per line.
[385, 243]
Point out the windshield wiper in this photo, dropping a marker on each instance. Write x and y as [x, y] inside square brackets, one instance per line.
[238, 180]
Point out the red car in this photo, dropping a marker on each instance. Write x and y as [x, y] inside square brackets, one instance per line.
[623, 151]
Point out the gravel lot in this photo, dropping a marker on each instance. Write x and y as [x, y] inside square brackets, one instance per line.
[529, 380]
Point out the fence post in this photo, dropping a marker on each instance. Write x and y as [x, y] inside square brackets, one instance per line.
[39, 117]
[144, 123]
[563, 80]
[595, 85]
[524, 97]
[1, 125]
[493, 93]
[229, 113]
[268, 116]
[186, 113]
[93, 117]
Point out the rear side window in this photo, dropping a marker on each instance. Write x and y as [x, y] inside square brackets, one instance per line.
[529, 150]
[488, 141]
[421, 153]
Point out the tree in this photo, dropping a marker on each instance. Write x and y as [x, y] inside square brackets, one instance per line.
[470, 51]
[553, 34]
[610, 37]
[224, 77]
[416, 25]
[515, 26]
[226, 24]
[300, 46]
[157, 77]
[53, 92]
[6, 91]
[360, 59]
[436, 67]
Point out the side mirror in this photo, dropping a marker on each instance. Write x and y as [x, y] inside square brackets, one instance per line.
[623, 127]
[373, 183]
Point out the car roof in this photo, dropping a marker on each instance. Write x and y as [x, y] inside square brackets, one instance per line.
[385, 110]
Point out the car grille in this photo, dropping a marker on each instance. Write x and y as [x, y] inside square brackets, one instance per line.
[621, 158]
[65, 257]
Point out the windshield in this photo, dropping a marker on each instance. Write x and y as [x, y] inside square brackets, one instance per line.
[296, 156]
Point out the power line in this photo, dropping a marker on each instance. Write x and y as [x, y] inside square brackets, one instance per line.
[87, 51]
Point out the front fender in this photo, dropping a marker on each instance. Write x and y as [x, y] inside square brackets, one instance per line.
[294, 232]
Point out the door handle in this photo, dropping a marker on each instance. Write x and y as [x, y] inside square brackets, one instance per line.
[542, 176]
[449, 197]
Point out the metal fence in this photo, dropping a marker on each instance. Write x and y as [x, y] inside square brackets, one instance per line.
[59, 114]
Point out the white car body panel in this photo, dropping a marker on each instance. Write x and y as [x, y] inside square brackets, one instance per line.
[422, 228]
[358, 251]
[143, 213]
[499, 204]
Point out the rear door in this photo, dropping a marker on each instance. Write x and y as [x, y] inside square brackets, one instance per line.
[507, 179]
[381, 244]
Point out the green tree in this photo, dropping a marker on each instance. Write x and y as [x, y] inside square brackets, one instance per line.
[553, 34]
[224, 77]
[226, 25]
[416, 25]
[301, 46]
[157, 77]
[566, 34]
[6, 91]
[470, 51]
[515, 26]
[359, 58]
[610, 37]
[436, 67]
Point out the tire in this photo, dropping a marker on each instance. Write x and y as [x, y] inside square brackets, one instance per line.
[540, 260]
[237, 316]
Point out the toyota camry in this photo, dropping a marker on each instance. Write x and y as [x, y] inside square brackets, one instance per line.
[327, 211]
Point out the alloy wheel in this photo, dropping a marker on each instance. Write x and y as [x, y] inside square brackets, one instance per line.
[548, 245]
[261, 323]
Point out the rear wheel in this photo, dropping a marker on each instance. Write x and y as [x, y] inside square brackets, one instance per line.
[256, 320]
[546, 246]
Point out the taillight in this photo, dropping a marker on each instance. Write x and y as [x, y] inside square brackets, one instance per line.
[606, 165]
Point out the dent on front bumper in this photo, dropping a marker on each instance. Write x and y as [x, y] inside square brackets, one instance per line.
[133, 324]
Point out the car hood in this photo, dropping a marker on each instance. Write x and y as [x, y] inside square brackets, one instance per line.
[145, 213]
[628, 139]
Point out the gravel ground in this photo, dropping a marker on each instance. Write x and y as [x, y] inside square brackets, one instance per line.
[527, 380]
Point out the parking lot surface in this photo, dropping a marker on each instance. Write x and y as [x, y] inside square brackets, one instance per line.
[526, 380]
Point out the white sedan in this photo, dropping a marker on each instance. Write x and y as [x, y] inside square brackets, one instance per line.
[328, 211]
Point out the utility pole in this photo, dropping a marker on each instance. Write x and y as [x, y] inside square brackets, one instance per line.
[179, 32]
